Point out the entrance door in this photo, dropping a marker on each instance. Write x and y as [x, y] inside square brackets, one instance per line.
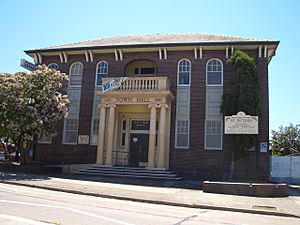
[138, 153]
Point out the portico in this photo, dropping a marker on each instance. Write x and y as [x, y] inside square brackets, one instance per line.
[134, 125]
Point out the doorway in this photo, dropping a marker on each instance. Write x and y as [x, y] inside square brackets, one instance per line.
[139, 143]
[138, 152]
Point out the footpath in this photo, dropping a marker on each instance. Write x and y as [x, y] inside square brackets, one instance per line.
[283, 206]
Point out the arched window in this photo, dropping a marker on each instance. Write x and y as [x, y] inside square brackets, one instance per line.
[76, 71]
[101, 72]
[214, 72]
[184, 73]
[53, 66]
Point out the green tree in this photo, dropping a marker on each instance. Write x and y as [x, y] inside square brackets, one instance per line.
[243, 95]
[286, 141]
[31, 104]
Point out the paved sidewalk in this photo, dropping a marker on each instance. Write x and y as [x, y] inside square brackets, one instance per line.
[287, 206]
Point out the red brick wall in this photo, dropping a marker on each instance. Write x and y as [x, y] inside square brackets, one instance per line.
[195, 162]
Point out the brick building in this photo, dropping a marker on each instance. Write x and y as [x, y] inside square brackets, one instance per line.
[165, 115]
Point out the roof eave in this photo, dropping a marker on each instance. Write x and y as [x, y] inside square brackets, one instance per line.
[229, 43]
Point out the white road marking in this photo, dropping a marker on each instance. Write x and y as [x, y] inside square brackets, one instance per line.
[67, 208]
[22, 219]
[132, 203]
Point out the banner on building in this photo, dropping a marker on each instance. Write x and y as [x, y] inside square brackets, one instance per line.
[27, 65]
[112, 84]
[241, 124]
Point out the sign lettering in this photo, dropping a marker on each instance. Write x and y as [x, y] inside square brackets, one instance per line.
[241, 124]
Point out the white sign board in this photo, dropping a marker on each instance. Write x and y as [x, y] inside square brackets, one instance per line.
[83, 139]
[241, 124]
[112, 84]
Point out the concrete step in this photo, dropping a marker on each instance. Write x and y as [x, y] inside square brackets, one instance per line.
[130, 169]
[128, 176]
[128, 172]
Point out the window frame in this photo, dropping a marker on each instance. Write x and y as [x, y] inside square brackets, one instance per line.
[92, 130]
[176, 134]
[76, 75]
[50, 64]
[222, 71]
[64, 132]
[97, 66]
[190, 73]
[140, 73]
[221, 134]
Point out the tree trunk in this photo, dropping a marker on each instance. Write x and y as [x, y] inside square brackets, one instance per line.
[23, 155]
[17, 157]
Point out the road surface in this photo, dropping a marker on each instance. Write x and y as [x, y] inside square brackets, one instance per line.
[25, 205]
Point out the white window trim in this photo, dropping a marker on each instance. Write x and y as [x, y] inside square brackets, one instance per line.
[188, 144]
[205, 127]
[71, 75]
[53, 64]
[92, 133]
[214, 85]
[64, 136]
[97, 72]
[184, 85]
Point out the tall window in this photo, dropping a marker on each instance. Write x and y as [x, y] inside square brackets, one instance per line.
[214, 72]
[184, 73]
[95, 118]
[213, 115]
[182, 129]
[213, 134]
[102, 71]
[72, 121]
[76, 71]
[53, 66]
[71, 131]
[182, 133]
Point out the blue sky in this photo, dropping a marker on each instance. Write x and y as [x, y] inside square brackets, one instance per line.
[33, 24]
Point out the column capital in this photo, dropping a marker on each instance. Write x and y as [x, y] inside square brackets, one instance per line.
[152, 105]
[102, 105]
[163, 105]
[112, 105]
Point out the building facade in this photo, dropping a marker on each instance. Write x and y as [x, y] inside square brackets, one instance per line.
[165, 114]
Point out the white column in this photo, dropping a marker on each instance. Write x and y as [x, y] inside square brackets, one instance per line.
[101, 133]
[110, 135]
[200, 52]
[226, 52]
[167, 152]
[162, 136]
[152, 137]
